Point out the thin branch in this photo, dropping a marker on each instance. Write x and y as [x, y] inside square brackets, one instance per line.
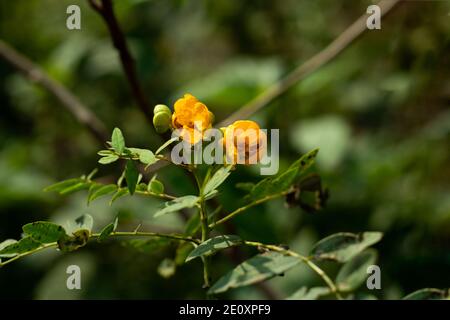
[304, 259]
[106, 11]
[313, 64]
[246, 207]
[67, 99]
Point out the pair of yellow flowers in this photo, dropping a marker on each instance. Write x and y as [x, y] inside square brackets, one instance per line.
[192, 118]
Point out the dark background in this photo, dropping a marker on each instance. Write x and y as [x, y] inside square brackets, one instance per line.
[379, 113]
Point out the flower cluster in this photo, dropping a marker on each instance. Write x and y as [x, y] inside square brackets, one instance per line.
[243, 141]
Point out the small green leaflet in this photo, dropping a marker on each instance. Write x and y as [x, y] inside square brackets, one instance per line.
[145, 156]
[177, 204]
[354, 272]
[23, 245]
[107, 230]
[102, 191]
[309, 294]
[284, 180]
[155, 186]
[59, 186]
[213, 245]
[343, 246]
[118, 141]
[5, 244]
[428, 294]
[131, 176]
[256, 269]
[44, 231]
[217, 179]
[120, 193]
[108, 159]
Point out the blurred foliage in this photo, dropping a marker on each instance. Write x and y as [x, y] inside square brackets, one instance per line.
[379, 113]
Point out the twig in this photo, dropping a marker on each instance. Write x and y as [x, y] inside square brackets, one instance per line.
[106, 11]
[323, 57]
[304, 259]
[67, 99]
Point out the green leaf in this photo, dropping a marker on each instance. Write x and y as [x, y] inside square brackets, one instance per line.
[283, 181]
[118, 141]
[105, 153]
[5, 244]
[217, 179]
[256, 269]
[131, 176]
[245, 186]
[44, 231]
[167, 268]
[428, 294]
[120, 193]
[155, 186]
[309, 294]
[213, 245]
[177, 204]
[102, 191]
[23, 245]
[76, 187]
[145, 156]
[354, 272]
[107, 230]
[166, 144]
[343, 246]
[59, 186]
[108, 159]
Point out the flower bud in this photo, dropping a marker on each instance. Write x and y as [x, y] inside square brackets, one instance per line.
[162, 108]
[161, 121]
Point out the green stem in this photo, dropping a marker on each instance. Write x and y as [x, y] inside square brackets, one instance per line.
[204, 226]
[113, 234]
[156, 195]
[304, 259]
[248, 206]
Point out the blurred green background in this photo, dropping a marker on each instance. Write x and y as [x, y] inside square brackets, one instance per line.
[379, 113]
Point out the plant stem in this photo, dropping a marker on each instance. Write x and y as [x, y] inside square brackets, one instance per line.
[113, 234]
[248, 206]
[204, 226]
[304, 259]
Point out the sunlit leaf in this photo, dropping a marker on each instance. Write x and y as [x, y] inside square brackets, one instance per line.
[428, 294]
[177, 204]
[23, 245]
[44, 231]
[118, 141]
[102, 191]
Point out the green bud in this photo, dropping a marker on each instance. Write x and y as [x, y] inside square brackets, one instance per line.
[161, 121]
[162, 108]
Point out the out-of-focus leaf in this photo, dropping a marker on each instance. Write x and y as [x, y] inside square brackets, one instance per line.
[428, 294]
[148, 245]
[59, 186]
[343, 246]
[155, 186]
[167, 268]
[120, 193]
[102, 191]
[193, 224]
[305, 293]
[256, 269]
[76, 187]
[23, 245]
[183, 251]
[354, 272]
[213, 245]
[177, 204]
[84, 222]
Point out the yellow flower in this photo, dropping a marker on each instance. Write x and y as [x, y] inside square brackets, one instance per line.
[244, 142]
[192, 117]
